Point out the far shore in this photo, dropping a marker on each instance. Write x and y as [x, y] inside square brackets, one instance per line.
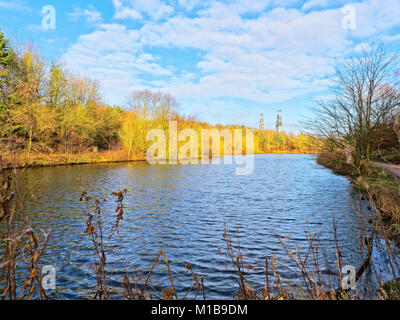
[62, 159]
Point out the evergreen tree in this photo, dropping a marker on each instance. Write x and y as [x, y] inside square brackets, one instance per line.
[6, 58]
[5, 51]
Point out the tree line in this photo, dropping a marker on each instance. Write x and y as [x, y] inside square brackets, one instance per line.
[46, 109]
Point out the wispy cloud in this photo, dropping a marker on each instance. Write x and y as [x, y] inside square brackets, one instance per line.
[17, 5]
[141, 9]
[314, 4]
[89, 13]
[391, 37]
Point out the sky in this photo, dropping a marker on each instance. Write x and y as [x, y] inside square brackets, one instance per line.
[225, 61]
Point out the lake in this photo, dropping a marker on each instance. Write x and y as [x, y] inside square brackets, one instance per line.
[183, 210]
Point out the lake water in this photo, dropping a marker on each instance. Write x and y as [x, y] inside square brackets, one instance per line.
[183, 210]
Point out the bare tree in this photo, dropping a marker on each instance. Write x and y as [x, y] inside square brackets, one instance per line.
[148, 110]
[365, 96]
[149, 105]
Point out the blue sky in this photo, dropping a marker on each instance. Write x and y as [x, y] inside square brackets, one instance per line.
[225, 61]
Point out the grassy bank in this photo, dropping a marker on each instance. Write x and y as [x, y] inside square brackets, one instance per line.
[336, 163]
[62, 159]
[380, 187]
[383, 191]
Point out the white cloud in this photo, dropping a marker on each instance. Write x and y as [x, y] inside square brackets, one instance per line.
[113, 55]
[17, 5]
[273, 56]
[90, 13]
[139, 9]
[391, 38]
[362, 47]
[124, 12]
[314, 4]
[374, 17]
[189, 4]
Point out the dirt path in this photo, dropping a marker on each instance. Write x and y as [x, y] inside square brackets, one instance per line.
[395, 169]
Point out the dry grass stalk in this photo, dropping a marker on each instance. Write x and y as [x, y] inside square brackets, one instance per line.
[131, 288]
[22, 247]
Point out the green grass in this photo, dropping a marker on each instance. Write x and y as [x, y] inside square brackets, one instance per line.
[381, 177]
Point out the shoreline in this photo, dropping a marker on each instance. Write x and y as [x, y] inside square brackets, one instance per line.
[380, 189]
[118, 156]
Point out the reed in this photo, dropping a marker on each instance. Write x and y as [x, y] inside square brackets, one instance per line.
[131, 287]
[308, 265]
[22, 247]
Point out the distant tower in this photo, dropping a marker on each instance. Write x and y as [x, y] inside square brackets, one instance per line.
[262, 122]
[279, 122]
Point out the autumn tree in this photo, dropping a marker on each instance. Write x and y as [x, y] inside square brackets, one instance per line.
[147, 110]
[107, 124]
[56, 87]
[27, 96]
[279, 141]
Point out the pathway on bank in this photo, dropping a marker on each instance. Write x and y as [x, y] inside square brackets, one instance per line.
[395, 169]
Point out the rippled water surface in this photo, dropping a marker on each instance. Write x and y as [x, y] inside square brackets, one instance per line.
[183, 209]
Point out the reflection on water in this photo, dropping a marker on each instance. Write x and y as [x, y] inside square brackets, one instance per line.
[182, 209]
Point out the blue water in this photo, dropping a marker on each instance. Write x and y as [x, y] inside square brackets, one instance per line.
[183, 210]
